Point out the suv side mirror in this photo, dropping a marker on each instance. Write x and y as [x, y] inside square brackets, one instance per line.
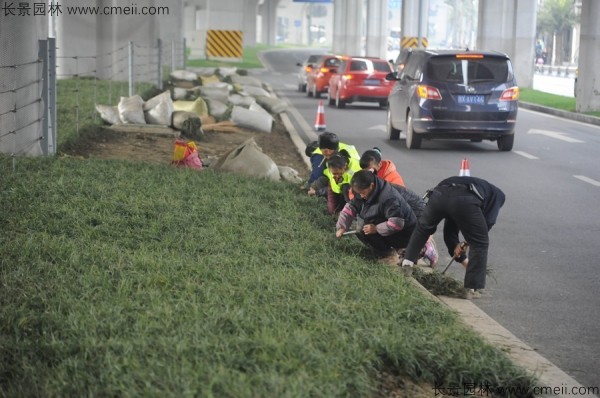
[393, 76]
[298, 63]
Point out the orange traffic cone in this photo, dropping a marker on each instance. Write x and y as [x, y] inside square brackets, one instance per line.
[320, 121]
[464, 168]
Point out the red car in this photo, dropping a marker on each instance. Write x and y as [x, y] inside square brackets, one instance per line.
[317, 81]
[360, 79]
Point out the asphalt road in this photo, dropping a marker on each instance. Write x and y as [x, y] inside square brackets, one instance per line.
[543, 248]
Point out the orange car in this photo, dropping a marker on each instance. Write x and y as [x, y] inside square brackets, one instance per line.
[360, 79]
[317, 81]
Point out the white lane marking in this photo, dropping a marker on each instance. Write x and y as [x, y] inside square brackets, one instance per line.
[555, 134]
[526, 155]
[378, 127]
[559, 118]
[588, 180]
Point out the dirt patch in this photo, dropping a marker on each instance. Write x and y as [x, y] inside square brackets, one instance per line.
[105, 143]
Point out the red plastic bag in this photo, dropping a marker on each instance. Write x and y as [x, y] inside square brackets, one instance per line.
[185, 154]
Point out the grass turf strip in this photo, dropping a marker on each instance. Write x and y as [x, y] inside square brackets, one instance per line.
[123, 278]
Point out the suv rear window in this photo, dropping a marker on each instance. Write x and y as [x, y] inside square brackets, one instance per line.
[456, 70]
[382, 67]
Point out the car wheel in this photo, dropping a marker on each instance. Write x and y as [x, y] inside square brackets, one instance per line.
[413, 141]
[302, 87]
[393, 133]
[338, 101]
[383, 104]
[505, 142]
[315, 93]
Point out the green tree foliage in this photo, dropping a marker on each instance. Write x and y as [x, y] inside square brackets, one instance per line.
[557, 17]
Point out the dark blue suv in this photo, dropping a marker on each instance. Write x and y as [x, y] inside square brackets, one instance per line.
[454, 94]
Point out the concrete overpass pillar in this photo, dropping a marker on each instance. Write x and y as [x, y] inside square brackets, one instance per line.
[376, 45]
[588, 80]
[509, 26]
[415, 17]
[249, 22]
[347, 37]
[268, 12]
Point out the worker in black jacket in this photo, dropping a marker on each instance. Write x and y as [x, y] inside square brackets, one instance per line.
[468, 205]
[386, 220]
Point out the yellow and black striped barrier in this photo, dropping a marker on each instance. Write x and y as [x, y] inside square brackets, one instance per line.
[413, 42]
[224, 44]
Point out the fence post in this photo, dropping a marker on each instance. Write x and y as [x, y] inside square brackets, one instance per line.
[131, 68]
[173, 65]
[46, 52]
[159, 83]
[184, 54]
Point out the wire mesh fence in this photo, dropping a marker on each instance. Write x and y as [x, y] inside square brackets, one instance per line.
[82, 81]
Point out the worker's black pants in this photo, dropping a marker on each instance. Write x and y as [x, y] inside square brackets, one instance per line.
[383, 244]
[462, 213]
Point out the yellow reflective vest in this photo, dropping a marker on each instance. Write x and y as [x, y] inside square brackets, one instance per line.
[336, 187]
[351, 149]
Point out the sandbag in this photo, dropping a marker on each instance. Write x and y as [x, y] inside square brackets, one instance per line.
[216, 91]
[209, 79]
[184, 75]
[241, 99]
[216, 108]
[254, 120]
[131, 110]
[255, 91]
[223, 71]
[272, 104]
[198, 106]
[257, 108]
[248, 159]
[109, 114]
[179, 93]
[289, 174]
[158, 109]
[246, 80]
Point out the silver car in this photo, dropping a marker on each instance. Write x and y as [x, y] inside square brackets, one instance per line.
[306, 68]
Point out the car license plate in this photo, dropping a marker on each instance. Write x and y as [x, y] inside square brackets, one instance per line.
[471, 99]
[371, 82]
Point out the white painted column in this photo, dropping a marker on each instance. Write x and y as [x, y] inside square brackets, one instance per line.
[523, 52]
[268, 12]
[339, 31]
[588, 81]
[495, 28]
[377, 28]
[415, 18]
[249, 22]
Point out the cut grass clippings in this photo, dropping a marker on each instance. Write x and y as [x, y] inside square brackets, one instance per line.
[131, 279]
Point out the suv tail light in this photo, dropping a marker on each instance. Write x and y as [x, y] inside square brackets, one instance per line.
[428, 92]
[510, 94]
[324, 70]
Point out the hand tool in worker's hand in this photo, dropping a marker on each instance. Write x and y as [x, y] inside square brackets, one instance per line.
[463, 247]
[350, 232]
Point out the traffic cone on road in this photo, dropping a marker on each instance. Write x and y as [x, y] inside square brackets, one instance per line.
[464, 168]
[320, 121]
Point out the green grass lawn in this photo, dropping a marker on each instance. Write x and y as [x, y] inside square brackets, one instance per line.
[132, 279]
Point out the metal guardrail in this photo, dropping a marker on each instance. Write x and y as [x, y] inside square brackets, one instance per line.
[556, 70]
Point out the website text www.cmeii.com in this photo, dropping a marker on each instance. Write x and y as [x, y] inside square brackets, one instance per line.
[33, 9]
[486, 390]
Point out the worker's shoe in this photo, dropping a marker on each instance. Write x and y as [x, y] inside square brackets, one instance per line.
[431, 252]
[471, 294]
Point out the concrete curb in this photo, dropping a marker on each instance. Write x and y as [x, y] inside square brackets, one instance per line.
[560, 113]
